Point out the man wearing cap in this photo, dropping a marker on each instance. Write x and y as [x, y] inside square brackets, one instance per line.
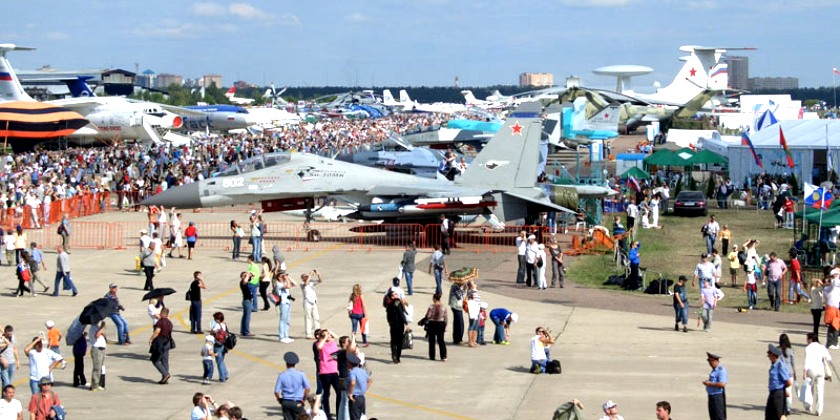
[531, 251]
[681, 305]
[704, 270]
[43, 402]
[610, 411]
[119, 321]
[291, 388]
[502, 318]
[41, 362]
[778, 379]
[716, 388]
[359, 382]
[832, 308]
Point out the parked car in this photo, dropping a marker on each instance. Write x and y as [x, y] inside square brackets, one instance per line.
[690, 202]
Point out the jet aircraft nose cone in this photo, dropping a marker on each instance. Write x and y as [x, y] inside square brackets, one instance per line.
[183, 197]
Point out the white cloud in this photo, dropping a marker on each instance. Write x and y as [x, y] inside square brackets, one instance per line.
[208, 9]
[358, 18]
[56, 36]
[169, 29]
[247, 11]
[288, 19]
[702, 4]
[597, 3]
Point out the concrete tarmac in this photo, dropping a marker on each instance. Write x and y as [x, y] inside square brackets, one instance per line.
[634, 359]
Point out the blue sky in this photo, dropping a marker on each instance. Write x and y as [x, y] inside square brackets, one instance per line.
[419, 42]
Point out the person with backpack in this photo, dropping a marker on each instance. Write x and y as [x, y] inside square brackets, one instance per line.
[539, 341]
[219, 330]
[45, 404]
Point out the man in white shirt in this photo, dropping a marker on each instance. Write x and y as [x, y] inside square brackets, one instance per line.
[710, 232]
[531, 261]
[10, 407]
[704, 270]
[311, 318]
[814, 369]
[521, 246]
[41, 362]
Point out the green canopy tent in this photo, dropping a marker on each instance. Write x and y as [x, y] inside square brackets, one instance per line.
[707, 157]
[636, 173]
[665, 157]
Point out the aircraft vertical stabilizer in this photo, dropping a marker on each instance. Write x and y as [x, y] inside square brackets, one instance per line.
[404, 97]
[10, 87]
[387, 97]
[509, 160]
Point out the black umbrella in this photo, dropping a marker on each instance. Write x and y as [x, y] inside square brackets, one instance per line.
[156, 293]
[98, 310]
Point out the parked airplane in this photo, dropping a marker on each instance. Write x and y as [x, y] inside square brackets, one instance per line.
[389, 101]
[268, 118]
[231, 95]
[500, 182]
[441, 107]
[394, 154]
[26, 122]
[218, 118]
[579, 130]
[702, 70]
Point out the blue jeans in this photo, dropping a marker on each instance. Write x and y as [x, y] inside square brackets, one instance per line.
[122, 327]
[355, 320]
[33, 386]
[409, 281]
[254, 295]
[797, 287]
[752, 296]
[710, 243]
[220, 361]
[245, 325]
[285, 318]
[7, 375]
[195, 316]
[499, 335]
[68, 282]
[438, 280]
[237, 244]
[540, 363]
[681, 313]
[208, 368]
[774, 292]
[257, 251]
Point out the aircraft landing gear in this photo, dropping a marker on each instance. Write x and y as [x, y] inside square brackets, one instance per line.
[312, 235]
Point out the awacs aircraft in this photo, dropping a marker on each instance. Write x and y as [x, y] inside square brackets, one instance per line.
[231, 96]
[702, 70]
[26, 122]
[499, 184]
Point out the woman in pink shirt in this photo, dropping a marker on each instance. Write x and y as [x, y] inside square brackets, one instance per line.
[328, 370]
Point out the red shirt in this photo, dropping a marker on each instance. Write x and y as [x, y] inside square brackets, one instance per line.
[795, 271]
[191, 231]
[41, 404]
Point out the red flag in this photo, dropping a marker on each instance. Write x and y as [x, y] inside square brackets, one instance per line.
[785, 146]
[837, 72]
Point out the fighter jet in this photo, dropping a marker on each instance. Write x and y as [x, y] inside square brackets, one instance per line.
[500, 184]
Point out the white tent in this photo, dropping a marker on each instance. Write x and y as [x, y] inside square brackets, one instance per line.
[806, 139]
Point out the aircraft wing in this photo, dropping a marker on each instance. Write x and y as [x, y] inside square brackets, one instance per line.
[184, 112]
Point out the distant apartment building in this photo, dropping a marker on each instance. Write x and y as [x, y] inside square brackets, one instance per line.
[146, 79]
[739, 71]
[774, 83]
[536, 79]
[164, 80]
[209, 79]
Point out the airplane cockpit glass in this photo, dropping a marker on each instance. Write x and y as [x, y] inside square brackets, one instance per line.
[232, 170]
[273, 159]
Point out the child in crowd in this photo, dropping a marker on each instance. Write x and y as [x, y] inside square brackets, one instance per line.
[207, 357]
[482, 320]
[53, 337]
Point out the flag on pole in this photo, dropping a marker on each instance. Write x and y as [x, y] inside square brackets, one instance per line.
[745, 141]
[837, 72]
[784, 145]
[817, 197]
[829, 160]
[633, 183]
